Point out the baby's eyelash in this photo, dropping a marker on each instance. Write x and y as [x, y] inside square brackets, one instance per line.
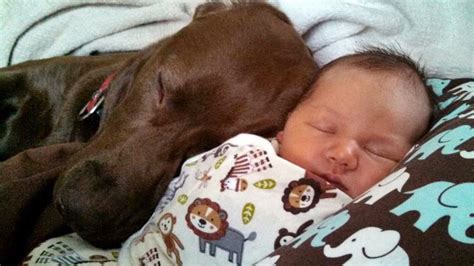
[325, 129]
[379, 154]
[373, 151]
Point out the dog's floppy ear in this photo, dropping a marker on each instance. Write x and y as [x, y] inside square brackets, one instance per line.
[22, 111]
[12, 94]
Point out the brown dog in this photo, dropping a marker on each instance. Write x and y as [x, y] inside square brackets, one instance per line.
[229, 71]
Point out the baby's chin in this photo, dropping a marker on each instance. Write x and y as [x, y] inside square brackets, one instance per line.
[354, 194]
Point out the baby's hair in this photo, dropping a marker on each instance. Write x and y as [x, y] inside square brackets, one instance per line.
[383, 59]
[379, 59]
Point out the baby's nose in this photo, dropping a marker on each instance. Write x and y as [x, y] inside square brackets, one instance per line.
[342, 156]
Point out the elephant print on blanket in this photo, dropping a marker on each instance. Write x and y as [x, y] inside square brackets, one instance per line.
[457, 113]
[320, 231]
[438, 85]
[448, 142]
[370, 246]
[440, 199]
[463, 92]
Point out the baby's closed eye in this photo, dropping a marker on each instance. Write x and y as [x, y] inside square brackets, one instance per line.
[324, 127]
[381, 152]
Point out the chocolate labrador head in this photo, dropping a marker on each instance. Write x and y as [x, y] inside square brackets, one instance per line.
[231, 70]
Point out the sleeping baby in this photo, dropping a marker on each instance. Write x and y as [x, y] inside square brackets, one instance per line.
[247, 197]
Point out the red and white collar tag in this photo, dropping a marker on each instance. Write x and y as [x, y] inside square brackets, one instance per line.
[97, 99]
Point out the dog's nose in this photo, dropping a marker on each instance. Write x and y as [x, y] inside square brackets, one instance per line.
[68, 197]
[92, 203]
[79, 189]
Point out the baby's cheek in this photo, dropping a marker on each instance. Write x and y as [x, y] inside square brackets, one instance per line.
[388, 168]
[371, 173]
[380, 172]
[291, 154]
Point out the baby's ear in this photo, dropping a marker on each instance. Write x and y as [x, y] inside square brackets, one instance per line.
[280, 137]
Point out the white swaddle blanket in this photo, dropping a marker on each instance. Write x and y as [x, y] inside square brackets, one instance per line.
[231, 206]
[438, 33]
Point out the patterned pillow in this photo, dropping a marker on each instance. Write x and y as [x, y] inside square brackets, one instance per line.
[421, 214]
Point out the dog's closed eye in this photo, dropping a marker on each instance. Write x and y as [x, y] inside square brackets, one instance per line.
[160, 89]
[169, 96]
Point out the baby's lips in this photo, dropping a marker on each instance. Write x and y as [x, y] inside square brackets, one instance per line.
[324, 184]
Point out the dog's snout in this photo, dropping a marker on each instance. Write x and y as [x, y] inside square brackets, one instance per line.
[86, 168]
[79, 197]
[81, 184]
[78, 176]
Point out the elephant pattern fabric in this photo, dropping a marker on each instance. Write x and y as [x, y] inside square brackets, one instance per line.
[420, 214]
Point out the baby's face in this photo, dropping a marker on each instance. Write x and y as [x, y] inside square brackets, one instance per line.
[354, 128]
